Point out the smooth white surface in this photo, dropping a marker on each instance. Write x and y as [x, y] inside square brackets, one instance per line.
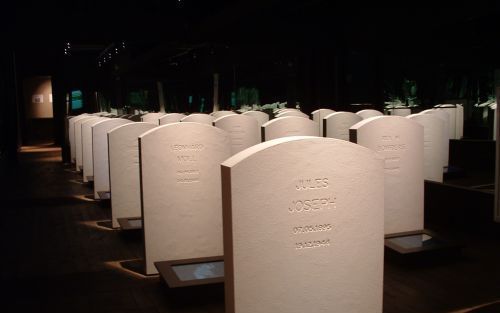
[451, 110]
[318, 116]
[152, 118]
[289, 126]
[181, 191]
[100, 152]
[124, 170]
[401, 141]
[446, 140]
[71, 135]
[369, 113]
[292, 113]
[243, 130]
[87, 160]
[78, 142]
[199, 118]
[262, 117]
[336, 125]
[218, 114]
[266, 222]
[434, 134]
[460, 121]
[170, 118]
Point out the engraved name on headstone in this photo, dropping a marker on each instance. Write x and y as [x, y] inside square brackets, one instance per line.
[181, 191]
[304, 213]
[401, 141]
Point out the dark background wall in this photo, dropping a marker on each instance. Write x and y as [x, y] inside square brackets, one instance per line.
[315, 53]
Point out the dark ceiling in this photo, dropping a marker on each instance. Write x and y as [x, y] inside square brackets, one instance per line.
[173, 25]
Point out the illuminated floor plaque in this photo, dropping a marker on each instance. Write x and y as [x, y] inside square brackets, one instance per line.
[418, 241]
[192, 272]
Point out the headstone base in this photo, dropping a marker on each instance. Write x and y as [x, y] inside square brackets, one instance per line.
[130, 223]
[192, 272]
[104, 195]
[105, 224]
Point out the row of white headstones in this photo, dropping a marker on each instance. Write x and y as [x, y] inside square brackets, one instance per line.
[295, 210]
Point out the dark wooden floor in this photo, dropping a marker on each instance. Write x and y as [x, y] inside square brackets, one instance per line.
[55, 258]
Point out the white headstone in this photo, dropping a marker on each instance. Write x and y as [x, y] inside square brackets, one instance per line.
[87, 160]
[446, 140]
[181, 191]
[369, 113]
[451, 110]
[336, 125]
[434, 134]
[218, 114]
[199, 118]
[71, 135]
[100, 153]
[78, 142]
[262, 117]
[303, 227]
[124, 170]
[401, 142]
[289, 126]
[243, 130]
[292, 113]
[152, 118]
[170, 118]
[319, 115]
[493, 108]
[460, 121]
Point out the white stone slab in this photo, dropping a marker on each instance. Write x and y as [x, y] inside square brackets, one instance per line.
[152, 118]
[181, 191]
[369, 113]
[434, 136]
[71, 135]
[303, 227]
[100, 153]
[292, 113]
[336, 125]
[170, 118]
[460, 121]
[124, 175]
[87, 160]
[218, 114]
[446, 140]
[450, 109]
[401, 142]
[262, 117]
[289, 126]
[243, 130]
[199, 118]
[78, 142]
[318, 116]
